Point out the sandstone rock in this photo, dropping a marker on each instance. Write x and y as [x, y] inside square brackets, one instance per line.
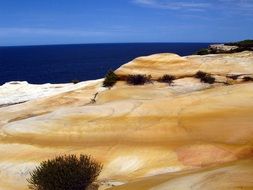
[160, 64]
[188, 133]
[224, 177]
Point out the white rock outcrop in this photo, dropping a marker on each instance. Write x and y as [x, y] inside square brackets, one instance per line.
[21, 91]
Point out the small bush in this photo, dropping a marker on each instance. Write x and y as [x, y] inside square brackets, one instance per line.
[167, 79]
[65, 173]
[200, 74]
[205, 77]
[233, 77]
[138, 79]
[110, 79]
[75, 81]
[247, 79]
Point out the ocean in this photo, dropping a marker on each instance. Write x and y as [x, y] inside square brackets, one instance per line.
[64, 63]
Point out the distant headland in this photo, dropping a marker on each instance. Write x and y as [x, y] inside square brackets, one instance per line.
[232, 47]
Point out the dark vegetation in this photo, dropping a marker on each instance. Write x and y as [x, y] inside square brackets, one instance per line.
[93, 100]
[167, 79]
[247, 79]
[242, 44]
[138, 79]
[205, 77]
[65, 173]
[233, 77]
[110, 79]
[75, 81]
[245, 45]
[203, 51]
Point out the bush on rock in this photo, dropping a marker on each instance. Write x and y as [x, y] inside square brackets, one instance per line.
[65, 173]
[138, 79]
[110, 79]
[205, 77]
[167, 79]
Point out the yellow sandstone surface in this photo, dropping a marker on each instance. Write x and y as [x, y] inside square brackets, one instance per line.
[189, 135]
[159, 64]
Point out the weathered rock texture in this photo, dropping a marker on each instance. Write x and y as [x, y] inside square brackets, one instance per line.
[189, 135]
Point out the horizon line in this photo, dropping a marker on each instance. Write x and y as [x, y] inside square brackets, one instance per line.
[98, 43]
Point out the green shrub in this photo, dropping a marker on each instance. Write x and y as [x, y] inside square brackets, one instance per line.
[138, 79]
[205, 77]
[167, 79]
[65, 173]
[110, 79]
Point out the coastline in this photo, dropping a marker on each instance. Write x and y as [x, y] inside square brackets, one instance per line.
[149, 132]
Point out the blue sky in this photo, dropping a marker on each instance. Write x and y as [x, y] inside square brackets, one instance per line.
[26, 22]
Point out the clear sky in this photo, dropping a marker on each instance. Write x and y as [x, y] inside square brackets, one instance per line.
[26, 22]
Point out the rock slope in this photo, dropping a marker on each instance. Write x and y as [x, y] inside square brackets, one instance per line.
[189, 135]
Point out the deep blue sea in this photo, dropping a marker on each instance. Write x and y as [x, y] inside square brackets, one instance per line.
[63, 63]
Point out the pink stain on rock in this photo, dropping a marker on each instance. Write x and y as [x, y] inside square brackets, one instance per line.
[204, 155]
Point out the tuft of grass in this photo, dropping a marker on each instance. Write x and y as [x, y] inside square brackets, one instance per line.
[65, 173]
[205, 77]
[110, 79]
[138, 79]
[167, 79]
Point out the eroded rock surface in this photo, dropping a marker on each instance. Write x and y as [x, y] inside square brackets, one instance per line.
[189, 135]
